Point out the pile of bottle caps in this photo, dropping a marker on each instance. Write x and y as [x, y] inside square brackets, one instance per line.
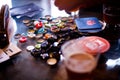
[49, 33]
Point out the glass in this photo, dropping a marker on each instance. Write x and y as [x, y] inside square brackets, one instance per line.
[79, 64]
[111, 15]
[111, 12]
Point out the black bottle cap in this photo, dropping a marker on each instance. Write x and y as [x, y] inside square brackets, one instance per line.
[35, 52]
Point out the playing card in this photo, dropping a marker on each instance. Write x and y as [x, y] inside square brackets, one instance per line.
[12, 49]
[3, 56]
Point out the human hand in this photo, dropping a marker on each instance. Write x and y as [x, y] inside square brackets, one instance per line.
[68, 5]
[73, 5]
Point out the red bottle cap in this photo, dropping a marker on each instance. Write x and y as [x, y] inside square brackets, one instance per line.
[22, 39]
[39, 25]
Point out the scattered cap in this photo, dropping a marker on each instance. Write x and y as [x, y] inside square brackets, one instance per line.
[22, 39]
[56, 20]
[31, 31]
[55, 29]
[35, 22]
[44, 56]
[72, 26]
[35, 52]
[47, 35]
[17, 36]
[48, 17]
[26, 21]
[31, 35]
[38, 46]
[38, 36]
[55, 44]
[51, 61]
[40, 41]
[64, 19]
[41, 30]
[30, 48]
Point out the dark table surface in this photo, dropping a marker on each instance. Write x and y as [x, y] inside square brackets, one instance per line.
[24, 66]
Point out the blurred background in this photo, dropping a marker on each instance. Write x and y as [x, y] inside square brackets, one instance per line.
[47, 5]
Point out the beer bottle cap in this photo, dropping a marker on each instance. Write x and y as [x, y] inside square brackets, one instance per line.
[51, 61]
[30, 48]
